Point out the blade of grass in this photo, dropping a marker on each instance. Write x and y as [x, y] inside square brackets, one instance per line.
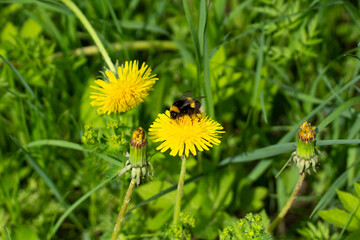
[277, 149]
[51, 5]
[282, 169]
[355, 129]
[192, 31]
[259, 65]
[260, 153]
[7, 233]
[47, 180]
[92, 33]
[202, 26]
[71, 145]
[335, 114]
[22, 80]
[70, 209]
[259, 170]
[207, 82]
[263, 106]
[291, 133]
[337, 142]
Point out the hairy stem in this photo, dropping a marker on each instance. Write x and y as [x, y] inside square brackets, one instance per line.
[92, 33]
[179, 190]
[123, 210]
[287, 206]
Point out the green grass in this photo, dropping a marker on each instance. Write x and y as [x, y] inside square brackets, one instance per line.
[264, 67]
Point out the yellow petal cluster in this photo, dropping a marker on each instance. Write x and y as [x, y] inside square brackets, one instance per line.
[125, 91]
[185, 134]
[306, 132]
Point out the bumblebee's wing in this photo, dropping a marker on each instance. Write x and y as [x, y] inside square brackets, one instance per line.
[198, 98]
[186, 94]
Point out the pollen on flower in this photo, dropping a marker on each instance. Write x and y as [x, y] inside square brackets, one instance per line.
[138, 138]
[123, 90]
[185, 134]
[306, 132]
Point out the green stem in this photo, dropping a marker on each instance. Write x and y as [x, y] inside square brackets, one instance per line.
[123, 210]
[179, 190]
[287, 206]
[92, 33]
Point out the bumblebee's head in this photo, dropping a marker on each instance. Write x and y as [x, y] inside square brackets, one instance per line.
[174, 112]
[174, 115]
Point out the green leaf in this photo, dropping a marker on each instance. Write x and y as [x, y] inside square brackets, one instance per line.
[349, 201]
[30, 28]
[326, 198]
[9, 32]
[339, 218]
[24, 232]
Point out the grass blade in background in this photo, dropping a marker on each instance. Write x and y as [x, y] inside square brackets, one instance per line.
[335, 114]
[291, 133]
[47, 181]
[259, 66]
[192, 31]
[22, 80]
[202, 26]
[73, 146]
[71, 208]
[8, 237]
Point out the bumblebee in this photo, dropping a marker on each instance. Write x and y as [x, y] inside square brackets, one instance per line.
[186, 106]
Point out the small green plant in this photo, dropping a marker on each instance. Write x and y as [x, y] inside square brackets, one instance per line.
[249, 227]
[349, 218]
[320, 231]
[182, 229]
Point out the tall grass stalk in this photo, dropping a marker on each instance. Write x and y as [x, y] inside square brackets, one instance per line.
[92, 33]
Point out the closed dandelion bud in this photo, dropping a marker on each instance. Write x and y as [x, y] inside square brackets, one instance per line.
[305, 156]
[138, 148]
[138, 162]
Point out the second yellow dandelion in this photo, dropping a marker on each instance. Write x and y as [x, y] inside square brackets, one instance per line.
[123, 90]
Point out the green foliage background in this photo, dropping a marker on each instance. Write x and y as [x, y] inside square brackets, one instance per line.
[264, 67]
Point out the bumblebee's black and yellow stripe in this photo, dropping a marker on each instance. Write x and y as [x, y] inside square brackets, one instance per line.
[186, 106]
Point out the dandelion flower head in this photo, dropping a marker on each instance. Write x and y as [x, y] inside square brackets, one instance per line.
[185, 134]
[124, 91]
[306, 132]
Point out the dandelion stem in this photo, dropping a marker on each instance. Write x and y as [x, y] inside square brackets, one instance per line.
[287, 206]
[92, 33]
[179, 190]
[123, 209]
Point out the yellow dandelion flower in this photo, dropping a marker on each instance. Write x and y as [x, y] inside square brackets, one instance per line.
[185, 134]
[124, 92]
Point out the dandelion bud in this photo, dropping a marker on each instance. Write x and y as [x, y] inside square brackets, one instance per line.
[138, 155]
[305, 156]
[138, 147]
